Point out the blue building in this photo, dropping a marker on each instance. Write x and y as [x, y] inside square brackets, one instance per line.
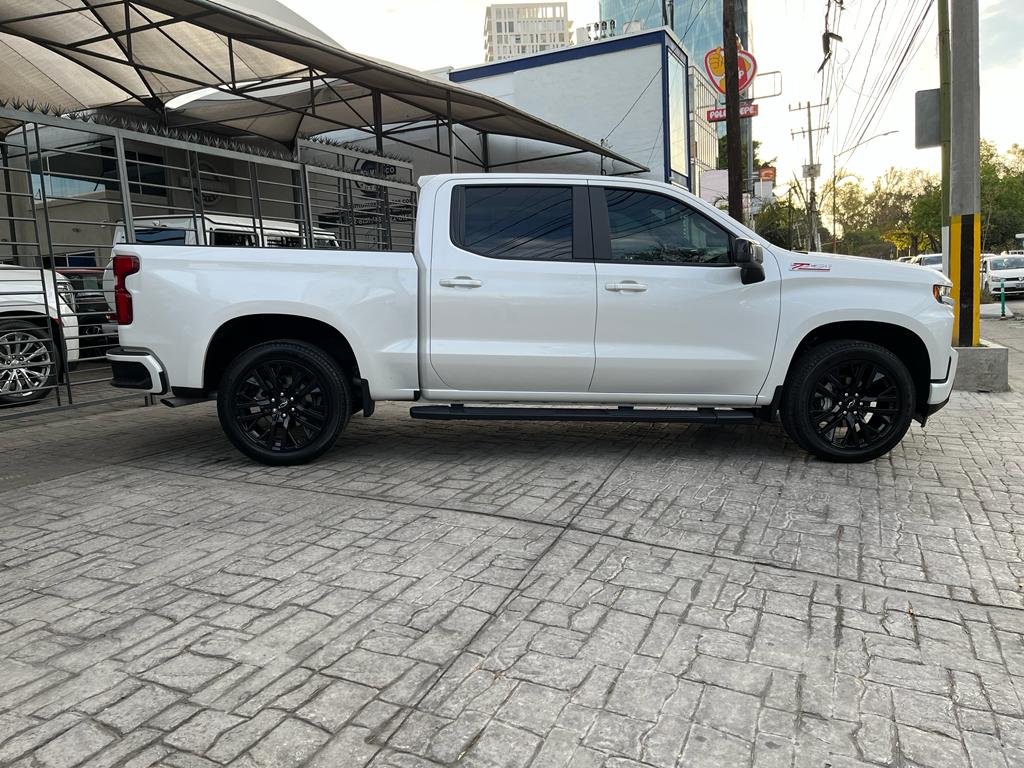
[698, 23]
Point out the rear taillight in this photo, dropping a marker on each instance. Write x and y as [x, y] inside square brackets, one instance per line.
[123, 266]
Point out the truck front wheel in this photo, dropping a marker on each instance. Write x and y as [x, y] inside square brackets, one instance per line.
[283, 402]
[848, 401]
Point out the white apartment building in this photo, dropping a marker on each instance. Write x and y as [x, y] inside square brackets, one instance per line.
[519, 29]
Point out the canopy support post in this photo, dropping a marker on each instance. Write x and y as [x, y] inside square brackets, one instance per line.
[378, 122]
[451, 135]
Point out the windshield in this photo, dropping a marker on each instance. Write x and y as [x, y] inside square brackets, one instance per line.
[928, 261]
[1007, 262]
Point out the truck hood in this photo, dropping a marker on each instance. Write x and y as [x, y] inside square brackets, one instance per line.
[853, 267]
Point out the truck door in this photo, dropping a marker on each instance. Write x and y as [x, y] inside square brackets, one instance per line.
[511, 288]
[672, 315]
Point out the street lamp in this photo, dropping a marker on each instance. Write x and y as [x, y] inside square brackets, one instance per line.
[835, 235]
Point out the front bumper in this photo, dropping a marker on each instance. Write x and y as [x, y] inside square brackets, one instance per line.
[939, 391]
[137, 369]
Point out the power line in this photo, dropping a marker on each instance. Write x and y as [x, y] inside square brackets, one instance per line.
[695, 17]
[913, 45]
[635, 102]
[905, 42]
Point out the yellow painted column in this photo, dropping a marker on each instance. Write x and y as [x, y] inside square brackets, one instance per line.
[965, 272]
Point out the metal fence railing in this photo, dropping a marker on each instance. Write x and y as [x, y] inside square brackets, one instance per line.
[71, 189]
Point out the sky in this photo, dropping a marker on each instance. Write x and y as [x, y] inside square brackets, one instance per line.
[786, 37]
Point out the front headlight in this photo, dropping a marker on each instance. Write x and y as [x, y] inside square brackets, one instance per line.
[942, 294]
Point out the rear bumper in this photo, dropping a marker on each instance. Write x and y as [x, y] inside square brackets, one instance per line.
[137, 369]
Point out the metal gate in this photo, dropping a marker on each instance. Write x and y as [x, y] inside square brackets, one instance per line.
[72, 188]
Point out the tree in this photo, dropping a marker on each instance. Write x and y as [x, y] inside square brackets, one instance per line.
[1002, 197]
[783, 222]
[880, 221]
[723, 161]
[901, 210]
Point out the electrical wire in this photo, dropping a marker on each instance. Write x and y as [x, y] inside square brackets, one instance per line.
[635, 102]
[696, 16]
[909, 51]
[902, 46]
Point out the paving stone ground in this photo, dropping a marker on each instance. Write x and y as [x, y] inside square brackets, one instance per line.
[511, 595]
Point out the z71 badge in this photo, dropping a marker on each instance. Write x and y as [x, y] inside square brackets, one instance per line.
[807, 266]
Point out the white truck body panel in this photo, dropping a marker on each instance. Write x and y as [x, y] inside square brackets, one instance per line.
[187, 293]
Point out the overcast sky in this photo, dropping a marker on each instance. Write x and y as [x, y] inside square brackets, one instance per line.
[427, 34]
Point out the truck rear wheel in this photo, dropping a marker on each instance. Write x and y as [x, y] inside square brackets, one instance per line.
[28, 365]
[283, 402]
[848, 401]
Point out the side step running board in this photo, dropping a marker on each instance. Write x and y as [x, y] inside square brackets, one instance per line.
[622, 413]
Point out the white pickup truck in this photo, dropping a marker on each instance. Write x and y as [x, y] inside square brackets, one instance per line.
[576, 298]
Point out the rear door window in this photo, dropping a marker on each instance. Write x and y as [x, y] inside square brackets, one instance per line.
[514, 222]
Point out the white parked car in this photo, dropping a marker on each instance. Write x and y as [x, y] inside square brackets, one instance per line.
[598, 294]
[37, 324]
[929, 260]
[1006, 271]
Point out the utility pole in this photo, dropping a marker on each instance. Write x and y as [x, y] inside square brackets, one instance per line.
[732, 110]
[944, 107]
[965, 173]
[789, 219]
[811, 172]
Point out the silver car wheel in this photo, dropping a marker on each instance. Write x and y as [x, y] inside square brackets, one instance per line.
[26, 364]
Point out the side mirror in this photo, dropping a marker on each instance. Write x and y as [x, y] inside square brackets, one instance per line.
[749, 257]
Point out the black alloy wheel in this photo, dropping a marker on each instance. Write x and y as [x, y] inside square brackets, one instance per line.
[283, 402]
[848, 401]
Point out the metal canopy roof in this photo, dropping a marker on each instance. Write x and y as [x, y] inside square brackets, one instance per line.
[274, 74]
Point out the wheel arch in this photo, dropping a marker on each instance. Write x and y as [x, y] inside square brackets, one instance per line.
[902, 342]
[39, 320]
[240, 333]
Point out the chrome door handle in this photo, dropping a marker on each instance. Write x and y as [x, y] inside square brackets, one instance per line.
[460, 282]
[627, 287]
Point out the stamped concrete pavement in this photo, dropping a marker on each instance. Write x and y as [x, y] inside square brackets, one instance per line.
[485, 595]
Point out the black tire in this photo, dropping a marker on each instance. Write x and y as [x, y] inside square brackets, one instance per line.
[848, 401]
[294, 424]
[29, 364]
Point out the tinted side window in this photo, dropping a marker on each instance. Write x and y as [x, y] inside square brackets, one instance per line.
[160, 236]
[652, 228]
[514, 222]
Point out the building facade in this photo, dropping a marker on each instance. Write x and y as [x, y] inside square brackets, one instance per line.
[629, 92]
[698, 23]
[520, 29]
[703, 135]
